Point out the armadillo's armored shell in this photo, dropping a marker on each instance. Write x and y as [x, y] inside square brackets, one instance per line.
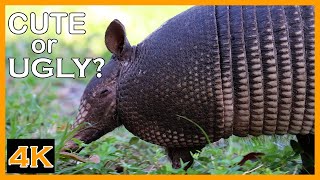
[231, 70]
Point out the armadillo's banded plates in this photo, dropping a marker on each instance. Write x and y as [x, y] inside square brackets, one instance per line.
[283, 51]
[217, 81]
[252, 45]
[272, 64]
[296, 40]
[223, 28]
[240, 73]
[230, 70]
[270, 71]
[308, 29]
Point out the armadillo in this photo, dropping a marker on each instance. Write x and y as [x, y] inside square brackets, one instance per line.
[206, 74]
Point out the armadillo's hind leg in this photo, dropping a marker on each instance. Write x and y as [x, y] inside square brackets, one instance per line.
[307, 155]
[175, 154]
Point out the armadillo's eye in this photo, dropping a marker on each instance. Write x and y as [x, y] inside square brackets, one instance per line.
[104, 92]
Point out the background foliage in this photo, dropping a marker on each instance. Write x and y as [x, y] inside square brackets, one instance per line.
[44, 108]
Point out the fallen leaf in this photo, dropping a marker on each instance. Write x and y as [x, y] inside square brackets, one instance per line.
[253, 156]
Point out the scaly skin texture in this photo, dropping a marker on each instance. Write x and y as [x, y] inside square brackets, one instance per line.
[232, 70]
[250, 65]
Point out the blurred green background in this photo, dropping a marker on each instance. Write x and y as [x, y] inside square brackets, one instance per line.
[44, 108]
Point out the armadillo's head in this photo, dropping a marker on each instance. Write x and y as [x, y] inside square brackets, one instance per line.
[97, 112]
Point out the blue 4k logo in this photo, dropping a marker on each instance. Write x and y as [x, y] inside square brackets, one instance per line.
[30, 156]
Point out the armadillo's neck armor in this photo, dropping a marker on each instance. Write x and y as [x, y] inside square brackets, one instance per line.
[231, 70]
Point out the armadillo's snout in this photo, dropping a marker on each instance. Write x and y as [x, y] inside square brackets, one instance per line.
[71, 146]
[96, 117]
[79, 127]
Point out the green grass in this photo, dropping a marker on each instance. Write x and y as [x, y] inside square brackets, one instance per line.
[45, 108]
[33, 111]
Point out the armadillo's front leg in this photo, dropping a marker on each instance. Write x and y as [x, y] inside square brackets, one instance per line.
[175, 154]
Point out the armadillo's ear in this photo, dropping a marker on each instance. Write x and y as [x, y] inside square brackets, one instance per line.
[116, 40]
